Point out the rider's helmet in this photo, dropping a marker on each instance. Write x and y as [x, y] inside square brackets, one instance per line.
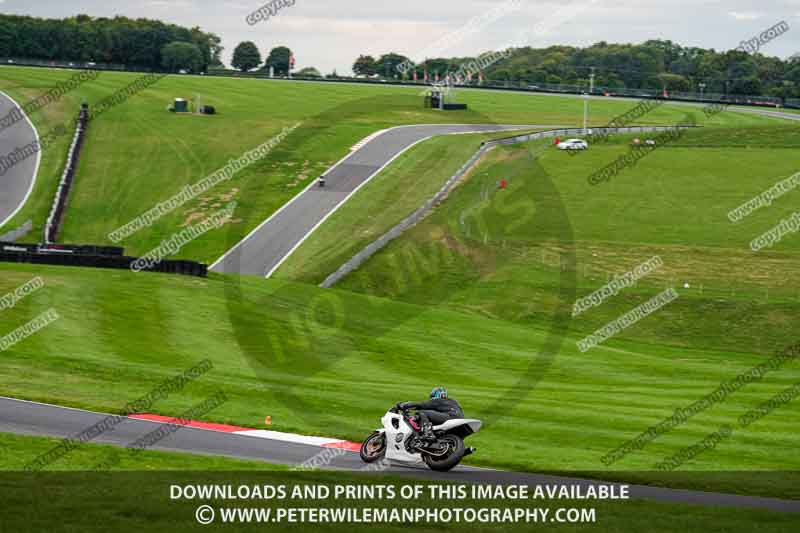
[439, 393]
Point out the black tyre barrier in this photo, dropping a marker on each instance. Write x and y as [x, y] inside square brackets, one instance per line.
[75, 249]
[119, 262]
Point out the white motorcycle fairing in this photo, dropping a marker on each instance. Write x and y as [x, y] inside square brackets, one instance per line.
[397, 432]
[474, 425]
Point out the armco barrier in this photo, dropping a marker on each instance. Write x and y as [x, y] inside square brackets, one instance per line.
[374, 247]
[60, 201]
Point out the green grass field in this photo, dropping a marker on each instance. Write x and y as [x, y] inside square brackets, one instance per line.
[478, 295]
[500, 250]
[499, 254]
[138, 154]
[277, 352]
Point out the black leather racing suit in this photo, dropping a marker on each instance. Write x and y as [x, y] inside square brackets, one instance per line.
[436, 411]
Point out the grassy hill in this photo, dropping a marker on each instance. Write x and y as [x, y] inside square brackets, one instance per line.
[500, 252]
[477, 297]
[331, 363]
[526, 254]
[138, 154]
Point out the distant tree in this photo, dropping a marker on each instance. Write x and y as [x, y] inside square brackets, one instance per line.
[788, 89]
[387, 65]
[793, 71]
[365, 66]
[674, 82]
[308, 72]
[750, 85]
[121, 40]
[279, 60]
[246, 56]
[442, 66]
[216, 48]
[8, 36]
[182, 56]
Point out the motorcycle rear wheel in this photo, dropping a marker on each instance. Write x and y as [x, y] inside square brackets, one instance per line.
[450, 459]
[374, 448]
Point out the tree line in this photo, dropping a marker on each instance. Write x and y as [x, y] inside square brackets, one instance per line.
[142, 43]
[247, 57]
[280, 60]
[652, 65]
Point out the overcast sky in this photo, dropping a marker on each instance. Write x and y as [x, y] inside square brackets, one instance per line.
[330, 34]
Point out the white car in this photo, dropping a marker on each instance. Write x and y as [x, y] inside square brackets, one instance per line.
[573, 144]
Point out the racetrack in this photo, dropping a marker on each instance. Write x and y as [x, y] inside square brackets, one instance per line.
[17, 182]
[271, 243]
[263, 251]
[29, 418]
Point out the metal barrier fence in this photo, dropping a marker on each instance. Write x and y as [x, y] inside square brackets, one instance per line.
[378, 244]
[54, 220]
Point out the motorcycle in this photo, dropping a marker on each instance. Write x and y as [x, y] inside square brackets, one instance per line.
[399, 440]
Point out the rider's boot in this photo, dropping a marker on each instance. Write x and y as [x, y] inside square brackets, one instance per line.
[427, 433]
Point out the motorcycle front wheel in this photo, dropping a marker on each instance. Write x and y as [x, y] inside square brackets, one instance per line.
[448, 461]
[373, 448]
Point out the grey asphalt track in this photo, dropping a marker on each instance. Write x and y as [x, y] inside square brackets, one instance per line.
[265, 248]
[17, 181]
[35, 419]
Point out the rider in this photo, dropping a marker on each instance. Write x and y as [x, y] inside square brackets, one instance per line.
[437, 411]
